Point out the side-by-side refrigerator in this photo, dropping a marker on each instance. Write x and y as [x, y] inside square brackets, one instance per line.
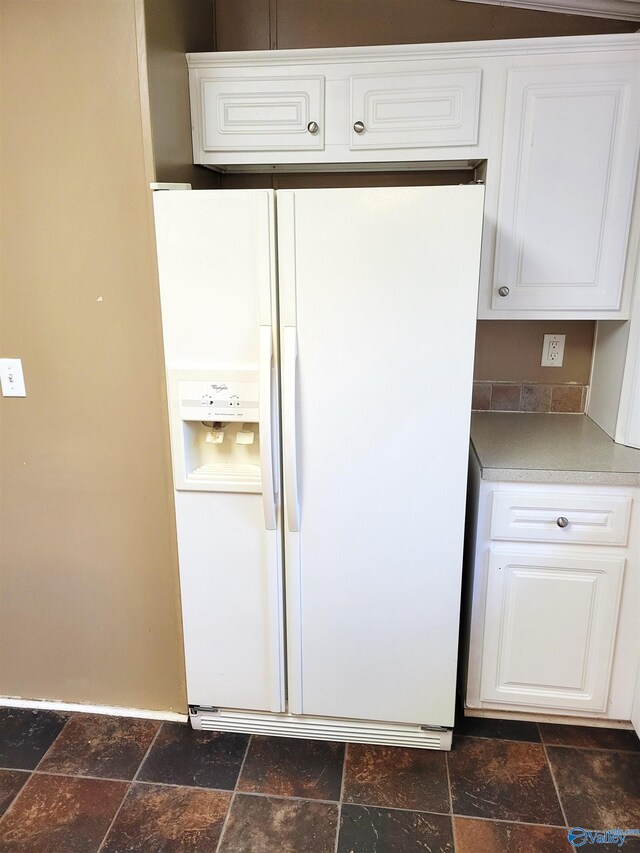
[319, 355]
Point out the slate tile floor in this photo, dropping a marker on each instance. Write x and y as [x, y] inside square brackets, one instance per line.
[82, 783]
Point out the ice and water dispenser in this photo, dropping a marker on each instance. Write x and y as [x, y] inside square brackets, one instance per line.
[214, 430]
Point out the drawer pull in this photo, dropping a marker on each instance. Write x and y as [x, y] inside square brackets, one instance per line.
[562, 521]
[359, 127]
[313, 127]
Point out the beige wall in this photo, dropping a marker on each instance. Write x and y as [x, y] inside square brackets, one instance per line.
[508, 351]
[89, 595]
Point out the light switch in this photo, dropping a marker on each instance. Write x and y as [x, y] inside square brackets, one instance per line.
[11, 378]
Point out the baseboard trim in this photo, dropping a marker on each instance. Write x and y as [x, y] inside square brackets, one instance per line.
[109, 710]
[564, 719]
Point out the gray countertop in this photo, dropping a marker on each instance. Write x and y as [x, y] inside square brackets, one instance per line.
[550, 448]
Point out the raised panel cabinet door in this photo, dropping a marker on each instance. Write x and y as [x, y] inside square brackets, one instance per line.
[260, 113]
[550, 628]
[569, 159]
[437, 107]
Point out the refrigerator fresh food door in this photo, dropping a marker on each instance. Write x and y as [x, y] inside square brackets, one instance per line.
[378, 291]
[216, 257]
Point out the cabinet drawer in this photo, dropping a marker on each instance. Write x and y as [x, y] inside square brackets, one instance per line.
[262, 113]
[415, 110]
[591, 519]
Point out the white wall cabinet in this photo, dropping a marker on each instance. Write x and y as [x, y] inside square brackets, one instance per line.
[555, 579]
[567, 176]
[341, 108]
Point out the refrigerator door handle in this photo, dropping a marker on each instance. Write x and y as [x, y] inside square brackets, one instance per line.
[289, 428]
[266, 424]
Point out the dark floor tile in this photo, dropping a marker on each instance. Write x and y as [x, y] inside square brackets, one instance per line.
[270, 825]
[26, 735]
[396, 777]
[168, 820]
[590, 737]
[489, 836]
[10, 783]
[502, 779]
[502, 729]
[599, 790]
[183, 756]
[96, 745]
[293, 767]
[60, 814]
[364, 829]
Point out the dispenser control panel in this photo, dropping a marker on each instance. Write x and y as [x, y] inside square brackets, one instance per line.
[218, 399]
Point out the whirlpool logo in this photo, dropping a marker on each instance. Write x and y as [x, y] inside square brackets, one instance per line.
[578, 836]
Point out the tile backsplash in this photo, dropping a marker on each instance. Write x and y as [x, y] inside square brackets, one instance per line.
[529, 397]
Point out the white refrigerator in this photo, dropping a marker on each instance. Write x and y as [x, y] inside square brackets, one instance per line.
[319, 353]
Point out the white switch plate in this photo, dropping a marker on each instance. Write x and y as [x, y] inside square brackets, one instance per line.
[11, 378]
[553, 351]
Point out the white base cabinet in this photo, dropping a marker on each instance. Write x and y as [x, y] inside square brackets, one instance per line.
[553, 625]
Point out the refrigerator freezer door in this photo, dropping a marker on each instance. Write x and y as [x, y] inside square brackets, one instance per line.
[216, 259]
[380, 298]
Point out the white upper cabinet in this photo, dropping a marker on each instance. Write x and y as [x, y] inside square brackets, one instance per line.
[260, 113]
[340, 108]
[569, 159]
[434, 107]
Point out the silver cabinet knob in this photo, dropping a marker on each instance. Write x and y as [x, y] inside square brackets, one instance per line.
[503, 291]
[313, 127]
[562, 521]
[359, 127]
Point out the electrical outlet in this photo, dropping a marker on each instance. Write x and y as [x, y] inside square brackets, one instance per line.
[11, 378]
[553, 350]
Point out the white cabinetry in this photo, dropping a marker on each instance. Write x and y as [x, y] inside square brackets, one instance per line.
[553, 626]
[340, 108]
[569, 159]
[614, 402]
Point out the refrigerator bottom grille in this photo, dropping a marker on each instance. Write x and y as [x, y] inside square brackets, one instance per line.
[320, 728]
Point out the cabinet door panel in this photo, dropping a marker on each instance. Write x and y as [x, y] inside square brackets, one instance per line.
[438, 107]
[568, 169]
[262, 113]
[550, 629]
